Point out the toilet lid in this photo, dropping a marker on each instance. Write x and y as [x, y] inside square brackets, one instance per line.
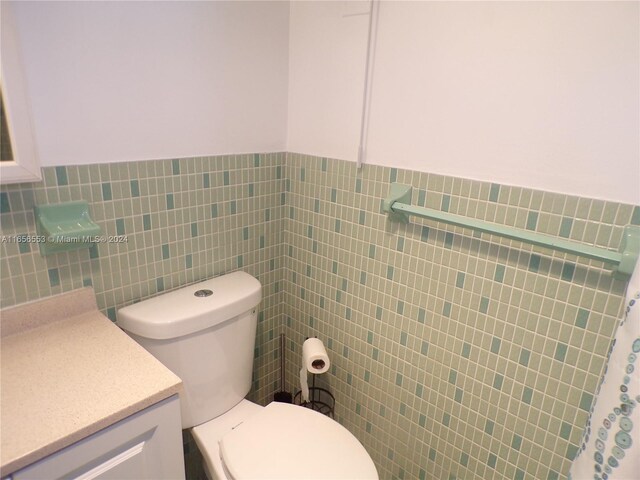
[286, 441]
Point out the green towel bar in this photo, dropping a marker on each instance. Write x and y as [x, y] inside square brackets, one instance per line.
[398, 206]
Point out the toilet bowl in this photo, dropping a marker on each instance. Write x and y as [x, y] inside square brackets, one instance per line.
[205, 333]
[280, 441]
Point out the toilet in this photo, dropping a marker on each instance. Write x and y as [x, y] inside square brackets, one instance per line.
[205, 333]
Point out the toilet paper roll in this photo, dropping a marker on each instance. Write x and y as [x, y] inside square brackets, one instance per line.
[304, 386]
[314, 356]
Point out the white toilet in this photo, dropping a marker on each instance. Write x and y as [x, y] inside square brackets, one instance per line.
[205, 334]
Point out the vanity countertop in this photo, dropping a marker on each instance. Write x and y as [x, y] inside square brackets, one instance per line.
[66, 372]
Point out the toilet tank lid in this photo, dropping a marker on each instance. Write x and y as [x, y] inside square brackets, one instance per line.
[182, 312]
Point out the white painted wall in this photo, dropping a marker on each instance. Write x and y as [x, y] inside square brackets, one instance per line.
[121, 81]
[327, 49]
[544, 95]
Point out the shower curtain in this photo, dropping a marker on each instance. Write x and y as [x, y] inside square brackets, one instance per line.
[610, 447]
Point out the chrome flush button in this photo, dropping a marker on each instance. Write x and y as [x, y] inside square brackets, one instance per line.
[203, 293]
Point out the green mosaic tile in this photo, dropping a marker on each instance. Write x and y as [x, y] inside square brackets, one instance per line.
[534, 263]
[460, 280]
[120, 230]
[5, 207]
[458, 395]
[432, 454]
[495, 345]
[422, 197]
[497, 381]
[61, 176]
[390, 270]
[24, 247]
[585, 401]
[488, 427]
[494, 192]
[446, 202]
[134, 187]
[484, 305]
[568, 270]
[106, 192]
[532, 221]
[572, 450]
[446, 419]
[448, 240]
[565, 430]
[582, 317]
[565, 227]
[498, 276]
[516, 442]
[54, 277]
[561, 352]
[525, 356]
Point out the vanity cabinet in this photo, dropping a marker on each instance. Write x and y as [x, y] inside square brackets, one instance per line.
[81, 399]
[146, 445]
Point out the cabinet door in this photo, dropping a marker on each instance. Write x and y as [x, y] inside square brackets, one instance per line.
[146, 445]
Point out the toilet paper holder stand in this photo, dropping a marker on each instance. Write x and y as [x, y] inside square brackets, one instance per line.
[320, 399]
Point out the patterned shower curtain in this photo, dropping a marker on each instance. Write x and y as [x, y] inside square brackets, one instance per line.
[610, 448]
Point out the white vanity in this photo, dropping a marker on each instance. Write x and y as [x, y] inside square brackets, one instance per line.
[80, 399]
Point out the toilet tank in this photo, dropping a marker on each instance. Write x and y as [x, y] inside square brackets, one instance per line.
[205, 333]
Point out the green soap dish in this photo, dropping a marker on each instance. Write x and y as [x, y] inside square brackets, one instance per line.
[65, 227]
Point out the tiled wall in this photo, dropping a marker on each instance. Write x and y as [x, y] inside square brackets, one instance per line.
[185, 220]
[454, 355]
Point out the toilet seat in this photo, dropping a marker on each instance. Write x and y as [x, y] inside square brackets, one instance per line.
[285, 441]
